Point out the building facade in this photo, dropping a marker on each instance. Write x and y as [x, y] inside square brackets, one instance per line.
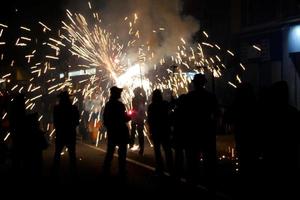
[274, 27]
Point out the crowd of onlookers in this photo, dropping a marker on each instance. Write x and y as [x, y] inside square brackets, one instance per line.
[266, 131]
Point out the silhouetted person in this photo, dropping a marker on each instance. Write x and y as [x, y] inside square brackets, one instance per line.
[138, 117]
[200, 108]
[65, 119]
[4, 127]
[280, 139]
[159, 127]
[178, 135]
[17, 120]
[244, 121]
[36, 144]
[115, 120]
[242, 116]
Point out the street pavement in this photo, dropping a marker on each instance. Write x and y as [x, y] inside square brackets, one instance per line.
[89, 181]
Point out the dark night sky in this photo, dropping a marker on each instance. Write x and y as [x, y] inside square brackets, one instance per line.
[16, 13]
[29, 10]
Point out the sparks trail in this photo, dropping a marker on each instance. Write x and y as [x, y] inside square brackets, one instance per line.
[101, 59]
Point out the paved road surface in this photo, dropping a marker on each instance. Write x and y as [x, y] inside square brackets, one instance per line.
[90, 181]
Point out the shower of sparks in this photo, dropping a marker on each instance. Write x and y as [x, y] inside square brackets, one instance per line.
[206, 35]
[242, 66]
[103, 60]
[6, 137]
[233, 85]
[25, 28]
[3, 25]
[45, 28]
[257, 48]
[4, 116]
[238, 78]
[230, 52]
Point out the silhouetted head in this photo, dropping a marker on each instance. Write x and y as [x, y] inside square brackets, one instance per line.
[157, 96]
[115, 92]
[64, 97]
[20, 99]
[137, 91]
[199, 81]
[19, 102]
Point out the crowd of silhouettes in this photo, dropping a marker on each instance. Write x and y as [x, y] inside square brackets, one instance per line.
[266, 130]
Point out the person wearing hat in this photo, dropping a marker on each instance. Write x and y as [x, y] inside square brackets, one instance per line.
[115, 120]
[66, 119]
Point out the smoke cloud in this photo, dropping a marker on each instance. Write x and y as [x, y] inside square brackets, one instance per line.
[160, 23]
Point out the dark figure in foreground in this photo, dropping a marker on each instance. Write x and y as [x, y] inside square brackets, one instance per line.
[243, 120]
[159, 126]
[115, 120]
[17, 121]
[243, 117]
[36, 144]
[179, 139]
[4, 127]
[280, 141]
[199, 118]
[138, 117]
[66, 119]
